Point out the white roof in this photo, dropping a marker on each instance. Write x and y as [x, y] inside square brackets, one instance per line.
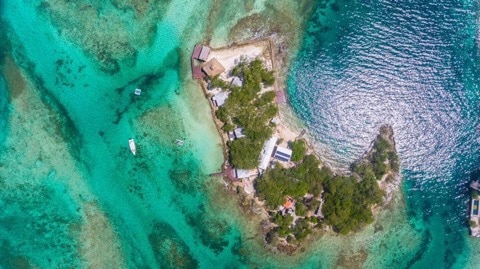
[231, 136]
[242, 173]
[204, 53]
[238, 133]
[219, 98]
[283, 154]
[236, 81]
[267, 152]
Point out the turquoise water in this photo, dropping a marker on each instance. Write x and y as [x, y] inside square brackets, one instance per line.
[3, 109]
[72, 195]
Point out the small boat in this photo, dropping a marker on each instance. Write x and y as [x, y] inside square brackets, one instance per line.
[133, 148]
[179, 142]
[138, 91]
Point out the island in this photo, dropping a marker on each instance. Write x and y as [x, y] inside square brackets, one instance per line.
[275, 172]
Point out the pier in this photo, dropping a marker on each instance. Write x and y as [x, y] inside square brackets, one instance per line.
[217, 174]
[200, 53]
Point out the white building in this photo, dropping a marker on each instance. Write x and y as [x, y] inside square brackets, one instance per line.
[282, 154]
[242, 173]
[220, 98]
[238, 133]
[266, 152]
[237, 82]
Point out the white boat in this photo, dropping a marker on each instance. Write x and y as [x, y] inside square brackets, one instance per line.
[179, 142]
[133, 148]
[138, 91]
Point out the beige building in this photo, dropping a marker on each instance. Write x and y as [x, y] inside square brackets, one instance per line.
[213, 68]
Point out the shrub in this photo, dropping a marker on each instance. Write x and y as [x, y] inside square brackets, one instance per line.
[268, 78]
[298, 150]
[216, 82]
[474, 194]
[300, 209]
[244, 153]
[347, 202]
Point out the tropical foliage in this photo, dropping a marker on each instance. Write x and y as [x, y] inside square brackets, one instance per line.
[247, 108]
[347, 199]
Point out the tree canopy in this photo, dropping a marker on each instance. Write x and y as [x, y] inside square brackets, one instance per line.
[247, 108]
[347, 199]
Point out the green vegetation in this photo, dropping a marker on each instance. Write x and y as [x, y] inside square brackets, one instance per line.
[383, 158]
[283, 223]
[252, 111]
[474, 194]
[278, 183]
[298, 150]
[347, 202]
[244, 152]
[300, 209]
[347, 199]
[301, 229]
[216, 82]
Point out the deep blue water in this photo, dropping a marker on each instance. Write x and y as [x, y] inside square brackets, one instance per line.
[414, 65]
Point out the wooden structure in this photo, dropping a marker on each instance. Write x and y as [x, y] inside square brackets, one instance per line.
[213, 68]
[201, 53]
[197, 72]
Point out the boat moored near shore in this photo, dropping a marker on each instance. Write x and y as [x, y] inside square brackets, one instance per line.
[133, 148]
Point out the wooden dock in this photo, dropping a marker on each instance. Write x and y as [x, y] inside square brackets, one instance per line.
[197, 72]
[216, 174]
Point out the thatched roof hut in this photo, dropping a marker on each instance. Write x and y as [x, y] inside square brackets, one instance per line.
[213, 68]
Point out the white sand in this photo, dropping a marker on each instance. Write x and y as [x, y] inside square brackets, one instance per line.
[230, 57]
[284, 133]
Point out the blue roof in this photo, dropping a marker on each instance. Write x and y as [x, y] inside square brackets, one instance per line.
[281, 158]
[283, 154]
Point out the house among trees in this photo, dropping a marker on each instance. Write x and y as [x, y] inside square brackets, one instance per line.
[219, 99]
[237, 82]
[282, 154]
[238, 132]
[287, 207]
[231, 136]
[266, 153]
[289, 203]
[213, 68]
